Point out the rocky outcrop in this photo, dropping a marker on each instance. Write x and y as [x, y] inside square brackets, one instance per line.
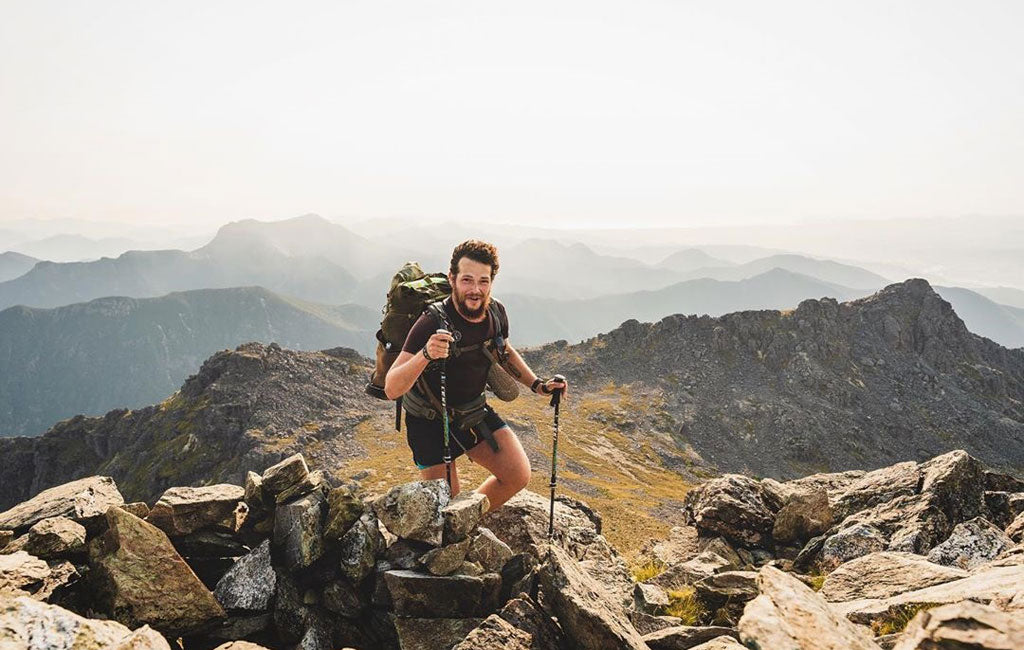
[966, 626]
[84, 501]
[30, 624]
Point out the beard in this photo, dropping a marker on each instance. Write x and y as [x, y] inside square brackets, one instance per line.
[461, 299]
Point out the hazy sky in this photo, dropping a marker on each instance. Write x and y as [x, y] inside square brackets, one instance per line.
[588, 113]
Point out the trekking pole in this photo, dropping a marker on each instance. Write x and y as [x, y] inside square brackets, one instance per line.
[556, 399]
[444, 415]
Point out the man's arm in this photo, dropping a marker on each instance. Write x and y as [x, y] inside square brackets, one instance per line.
[403, 373]
[517, 367]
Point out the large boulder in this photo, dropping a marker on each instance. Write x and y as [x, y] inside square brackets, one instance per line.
[590, 617]
[55, 537]
[21, 573]
[432, 633]
[734, 507]
[877, 487]
[139, 578]
[183, 510]
[850, 543]
[789, 615]
[421, 595]
[30, 625]
[414, 510]
[691, 571]
[971, 544]
[462, 515]
[964, 626]
[298, 530]
[984, 585]
[250, 583]
[358, 548]
[804, 514]
[520, 625]
[83, 500]
[885, 574]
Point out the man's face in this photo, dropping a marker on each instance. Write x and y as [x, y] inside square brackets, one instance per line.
[471, 288]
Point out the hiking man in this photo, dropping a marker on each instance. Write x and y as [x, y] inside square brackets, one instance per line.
[486, 438]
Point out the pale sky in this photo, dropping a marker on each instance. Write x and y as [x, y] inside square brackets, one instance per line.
[589, 113]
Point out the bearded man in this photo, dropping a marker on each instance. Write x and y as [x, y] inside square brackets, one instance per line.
[471, 319]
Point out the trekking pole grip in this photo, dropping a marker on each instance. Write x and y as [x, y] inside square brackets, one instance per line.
[556, 394]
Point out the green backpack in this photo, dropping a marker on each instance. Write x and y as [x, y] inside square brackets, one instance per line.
[411, 292]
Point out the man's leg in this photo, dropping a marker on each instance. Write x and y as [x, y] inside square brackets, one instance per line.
[438, 471]
[510, 468]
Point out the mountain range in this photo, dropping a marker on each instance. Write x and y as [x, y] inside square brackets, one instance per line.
[128, 352]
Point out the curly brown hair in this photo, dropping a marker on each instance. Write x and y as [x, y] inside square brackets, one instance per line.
[478, 251]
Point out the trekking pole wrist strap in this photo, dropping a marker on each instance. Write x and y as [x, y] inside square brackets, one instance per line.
[426, 355]
[536, 382]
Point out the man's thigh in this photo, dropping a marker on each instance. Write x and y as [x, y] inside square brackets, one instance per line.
[509, 459]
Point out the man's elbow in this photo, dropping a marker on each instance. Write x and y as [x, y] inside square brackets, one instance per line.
[390, 389]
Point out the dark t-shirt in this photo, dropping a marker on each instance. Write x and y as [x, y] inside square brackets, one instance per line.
[467, 373]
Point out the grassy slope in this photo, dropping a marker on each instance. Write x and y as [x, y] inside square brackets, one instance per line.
[619, 475]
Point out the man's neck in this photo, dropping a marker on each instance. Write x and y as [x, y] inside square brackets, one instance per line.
[479, 319]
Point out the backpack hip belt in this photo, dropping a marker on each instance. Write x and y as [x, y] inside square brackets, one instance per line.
[464, 416]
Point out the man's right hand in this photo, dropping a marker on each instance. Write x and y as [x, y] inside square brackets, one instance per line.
[437, 345]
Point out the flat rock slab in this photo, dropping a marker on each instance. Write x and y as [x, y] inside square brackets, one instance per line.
[883, 575]
[30, 624]
[432, 633]
[788, 615]
[22, 571]
[183, 510]
[55, 537]
[421, 595]
[684, 637]
[588, 614]
[964, 626]
[984, 586]
[81, 500]
[141, 579]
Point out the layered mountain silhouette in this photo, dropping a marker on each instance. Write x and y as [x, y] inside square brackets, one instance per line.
[129, 352]
[14, 264]
[827, 386]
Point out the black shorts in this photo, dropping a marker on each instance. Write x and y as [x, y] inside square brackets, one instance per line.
[426, 437]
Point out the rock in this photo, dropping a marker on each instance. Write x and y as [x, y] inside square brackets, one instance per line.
[298, 530]
[997, 509]
[721, 548]
[421, 595]
[964, 626]
[316, 480]
[470, 569]
[646, 623]
[278, 478]
[730, 587]
[344, 508]
[405, 553]
[518, 575]
[63, 574]
[586, 612]
[971, 543]
[462, 515]
[1015, 531]
[183, 510]
[803, 516]
[877, 487]
[254, 493]
[721, 643]
[684, 637]
[250, 583]
[341, 597]
[489, 551]
[520, 625]
[5, 538]
[82, 500]
[732, 506]
[140, 579]
[413, 510]
[649, 599]
[30, 624]
[955, 483]
[984, 585]
[522, 523]
[239, 645]
[433, 633]
[144, 638]
[55, 537]
[788, 614]
[885, 574]
[680, 546]
[445, 560]
[358, 548]
[850, 543]
[692, 571]
[138, 508]
[21, 572]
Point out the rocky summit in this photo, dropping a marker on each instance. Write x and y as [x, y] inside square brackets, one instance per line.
[914, 556]
[823, 387]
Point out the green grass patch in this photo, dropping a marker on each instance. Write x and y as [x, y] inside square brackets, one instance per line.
[897, 618]
[684, 604]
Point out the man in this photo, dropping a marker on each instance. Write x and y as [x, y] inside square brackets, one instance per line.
[489, 442]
